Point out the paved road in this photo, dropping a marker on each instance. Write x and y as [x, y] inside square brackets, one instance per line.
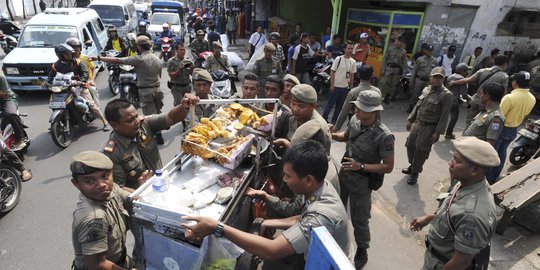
[37, 233]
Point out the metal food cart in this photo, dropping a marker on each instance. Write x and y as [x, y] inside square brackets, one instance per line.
[157, 217]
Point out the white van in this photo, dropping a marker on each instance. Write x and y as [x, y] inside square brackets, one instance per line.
[34, 55]
[120, 13]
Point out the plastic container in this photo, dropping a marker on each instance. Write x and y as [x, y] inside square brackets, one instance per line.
[159, 183]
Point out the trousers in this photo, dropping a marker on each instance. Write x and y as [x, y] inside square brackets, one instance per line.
[335, 100]
[501, 146]
[178, 93]
[151, 100]
[360, 205]
[85, 93]
[419, 145]
[454, 115]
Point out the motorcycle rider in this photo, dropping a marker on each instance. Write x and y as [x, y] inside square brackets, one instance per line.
[15, 161]
[218, 61]
[143, 31]
[132, 44]
[199, 45]
[199, 24]
[166, 33]
[8, 103]
[115, 42]
[67, 63]
[76, 44]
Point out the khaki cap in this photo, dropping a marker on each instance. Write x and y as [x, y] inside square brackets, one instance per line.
[304, 93]
[200, 74]
[369, 101]
[438, 71]
[217, 44]
[90, 161]
[142, 40]
[477, 151]
[200, 33]
[292, 79]
[270, 47]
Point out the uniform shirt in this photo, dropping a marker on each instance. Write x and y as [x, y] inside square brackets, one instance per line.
[498, 76]
[361, 52]
[470, 61]
[487, 125]
[212, 63]
[89, 65]
[287, 208]
[278, 53]
[324, 208]
[282, 124]
[257, 39]
[368, 145]
[6, 94]
[422, 67]
[205, 110]
[148, 68]
[200, 46]
[446, 62]
[264, 68]
[433, 106]
[132, 156]
[516, 106]
[314, 129]
[472, 217]
[100, 227]
[395, 56]
[352, 96]
[344, 69]
[173, 65]
[457, 90]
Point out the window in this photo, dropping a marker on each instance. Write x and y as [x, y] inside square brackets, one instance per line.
[520, 23]
[98, 25]
[86, 35]
[34, 36]
[110, 14]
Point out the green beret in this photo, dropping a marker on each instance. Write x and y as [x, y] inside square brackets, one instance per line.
[200, 74]
[90, 161]
[304, 93]
[438, 71]
[477, 151]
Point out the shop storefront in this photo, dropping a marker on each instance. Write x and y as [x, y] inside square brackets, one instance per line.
[382, 26]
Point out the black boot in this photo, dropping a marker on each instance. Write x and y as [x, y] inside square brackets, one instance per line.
[361, 258]
[159, 139]
[407, 170]
[413, 179]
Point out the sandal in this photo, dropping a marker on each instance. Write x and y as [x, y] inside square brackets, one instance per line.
[28, 176]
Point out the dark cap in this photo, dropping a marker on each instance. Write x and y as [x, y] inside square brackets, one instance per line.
[200, 74]
[429, 48]
[438, 71]
[200, 33]
[522, 78]
[305, 35]
[90, 161]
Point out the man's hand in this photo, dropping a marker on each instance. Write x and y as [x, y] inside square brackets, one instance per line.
[331, 88]
[450, 84]
[350, 164]
[144, 177]
[420, 222]
[435, 137]
[409, 124]
[332, 128]
[189, 100]
[256, 193]
[282, 143]
[204, 226]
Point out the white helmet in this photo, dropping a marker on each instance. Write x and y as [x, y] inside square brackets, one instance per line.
[165, 25]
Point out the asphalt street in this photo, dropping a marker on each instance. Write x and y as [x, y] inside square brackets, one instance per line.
[37, 233]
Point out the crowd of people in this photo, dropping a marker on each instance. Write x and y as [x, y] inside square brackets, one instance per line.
[320, 188]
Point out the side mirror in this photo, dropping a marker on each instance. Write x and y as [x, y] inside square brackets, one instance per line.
[145, 15]
[126, 17]
[88, 43]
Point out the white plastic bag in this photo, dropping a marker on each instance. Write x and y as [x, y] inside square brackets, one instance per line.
[217, 254]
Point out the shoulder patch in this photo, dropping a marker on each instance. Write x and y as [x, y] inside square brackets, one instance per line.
[110, 146]
[96, 231]
[495, 125]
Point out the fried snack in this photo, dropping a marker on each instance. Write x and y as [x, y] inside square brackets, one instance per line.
[227, 150]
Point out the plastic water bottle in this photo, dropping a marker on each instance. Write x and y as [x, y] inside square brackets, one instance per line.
[159, 184]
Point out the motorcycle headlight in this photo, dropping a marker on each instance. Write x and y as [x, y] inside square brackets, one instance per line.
[12, 71]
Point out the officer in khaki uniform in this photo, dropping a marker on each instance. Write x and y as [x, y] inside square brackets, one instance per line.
[290, 82]
[489, 123]
[179, 69]
[494, 74]
[132, 145]
[463, 226]
[323, 208]
[307, 124]
[202, 80]
[430, 116]
[395, 62]
[99, 225]
[148, 68]
[199, 45]
[369, 151]
[267, 66]
[218, 61]
[420, 74]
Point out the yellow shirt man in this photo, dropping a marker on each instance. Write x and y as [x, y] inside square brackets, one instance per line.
[89, 64]
[116, 45]
[516, 106]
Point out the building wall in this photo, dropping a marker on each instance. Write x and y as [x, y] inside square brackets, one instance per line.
[315, 15]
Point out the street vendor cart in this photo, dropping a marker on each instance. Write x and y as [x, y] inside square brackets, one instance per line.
[203, 180]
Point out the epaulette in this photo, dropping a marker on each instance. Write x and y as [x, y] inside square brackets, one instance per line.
[110, 146]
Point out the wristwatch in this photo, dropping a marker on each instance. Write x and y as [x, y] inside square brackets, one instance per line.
[219, 231]
[362, 166]
[99, 57]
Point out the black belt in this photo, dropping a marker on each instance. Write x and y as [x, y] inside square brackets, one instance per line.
[392, 65]
[179, 84]
[145, 87]
[437, 255]
[422, 78]
[423, 123]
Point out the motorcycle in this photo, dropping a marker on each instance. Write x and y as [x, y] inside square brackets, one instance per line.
[10, 183]
[68, 109]
[8, 136]
[8, 43]
[221, 87]
[526, 144]
[167, 47]
[321, 76]
[128, 84]
[114, 72]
